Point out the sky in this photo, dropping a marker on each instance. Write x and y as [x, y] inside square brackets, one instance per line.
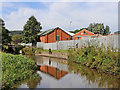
[60, 14]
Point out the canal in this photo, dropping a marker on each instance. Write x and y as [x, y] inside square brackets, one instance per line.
[58, 73]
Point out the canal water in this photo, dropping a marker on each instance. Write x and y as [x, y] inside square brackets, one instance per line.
[58, 73]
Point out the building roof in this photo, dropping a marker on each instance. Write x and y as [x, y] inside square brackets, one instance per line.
[46, 32]
[70, 33]
[16, 32]
[50, 30]
[117, 32]
[86, 34]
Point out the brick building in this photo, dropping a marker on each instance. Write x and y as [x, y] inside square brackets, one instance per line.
[53, 35]
[85, 33]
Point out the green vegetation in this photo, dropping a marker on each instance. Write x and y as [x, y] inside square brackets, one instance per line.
[97, 58]
[99, 28]
[4, 33]
[76, 31]
[16, 68]
[28, 51]
[38, 50]
[16, 38]
[31, 29]
[16, 49]
[95, 28]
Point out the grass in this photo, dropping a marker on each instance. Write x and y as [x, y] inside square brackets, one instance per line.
[16, 68]
[38, 50]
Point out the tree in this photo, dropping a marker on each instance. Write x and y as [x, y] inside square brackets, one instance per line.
[31, 29]
[4, 33]
[16, 38]
[98, 28]
[76, 31]
[106, 31]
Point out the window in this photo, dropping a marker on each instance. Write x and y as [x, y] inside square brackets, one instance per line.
[78, 37]
[57, 38]
[66, 38]
[84, 32]
[71, 38]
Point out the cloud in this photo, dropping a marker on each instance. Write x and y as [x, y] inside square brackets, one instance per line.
[59, 1]
[60, 14]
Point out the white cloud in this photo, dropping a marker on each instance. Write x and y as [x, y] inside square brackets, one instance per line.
[60, 14]
[59, 1]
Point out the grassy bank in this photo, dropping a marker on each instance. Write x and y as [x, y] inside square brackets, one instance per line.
[98, 58]
[38, 50]
[16, 68]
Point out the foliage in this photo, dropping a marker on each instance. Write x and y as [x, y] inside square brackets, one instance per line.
[99, 28]
[38, 50]
[28, 51]
[18, 48]
[31, 29]
[16, 38]
[97, 58]
[106, 31]
[5, 33]
[76, 31]
[16, 68]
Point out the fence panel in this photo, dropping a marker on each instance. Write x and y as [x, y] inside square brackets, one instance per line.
[112, 41]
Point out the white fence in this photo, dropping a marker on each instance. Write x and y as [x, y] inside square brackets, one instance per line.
[29, 44]
[112, 41]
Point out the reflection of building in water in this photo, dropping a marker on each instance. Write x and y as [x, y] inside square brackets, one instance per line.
[51, 62]
[55, 72]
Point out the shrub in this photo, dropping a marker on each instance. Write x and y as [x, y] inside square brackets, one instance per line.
[28, 50]
[16, 68]
[18, 48]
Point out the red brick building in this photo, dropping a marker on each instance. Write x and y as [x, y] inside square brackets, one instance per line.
[53, 35]
[85, 33]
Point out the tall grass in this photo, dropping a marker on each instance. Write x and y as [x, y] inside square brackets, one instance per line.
[99, 58]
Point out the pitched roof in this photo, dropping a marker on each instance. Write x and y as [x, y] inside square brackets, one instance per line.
[46, 32]
[70, 33]
[87, 31]
[50, 30]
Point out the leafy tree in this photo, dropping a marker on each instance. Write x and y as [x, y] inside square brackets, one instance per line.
[31, 29]
[4, 33]
[16, 38]
[76, 31]
[106, 31]
[98, 28]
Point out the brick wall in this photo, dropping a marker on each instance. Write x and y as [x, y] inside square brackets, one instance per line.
[51, 37]
[83, 33]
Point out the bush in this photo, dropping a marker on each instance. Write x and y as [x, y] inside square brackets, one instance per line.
[18, 48]
[16, 68]
[28, 50]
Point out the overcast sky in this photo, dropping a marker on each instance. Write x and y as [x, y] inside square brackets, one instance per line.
[59, 14]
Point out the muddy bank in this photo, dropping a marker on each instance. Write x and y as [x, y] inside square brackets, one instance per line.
[62, 55]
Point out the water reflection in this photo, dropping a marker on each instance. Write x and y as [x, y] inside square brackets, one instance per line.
[32, 82]
[103, 80]
[55, 72]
